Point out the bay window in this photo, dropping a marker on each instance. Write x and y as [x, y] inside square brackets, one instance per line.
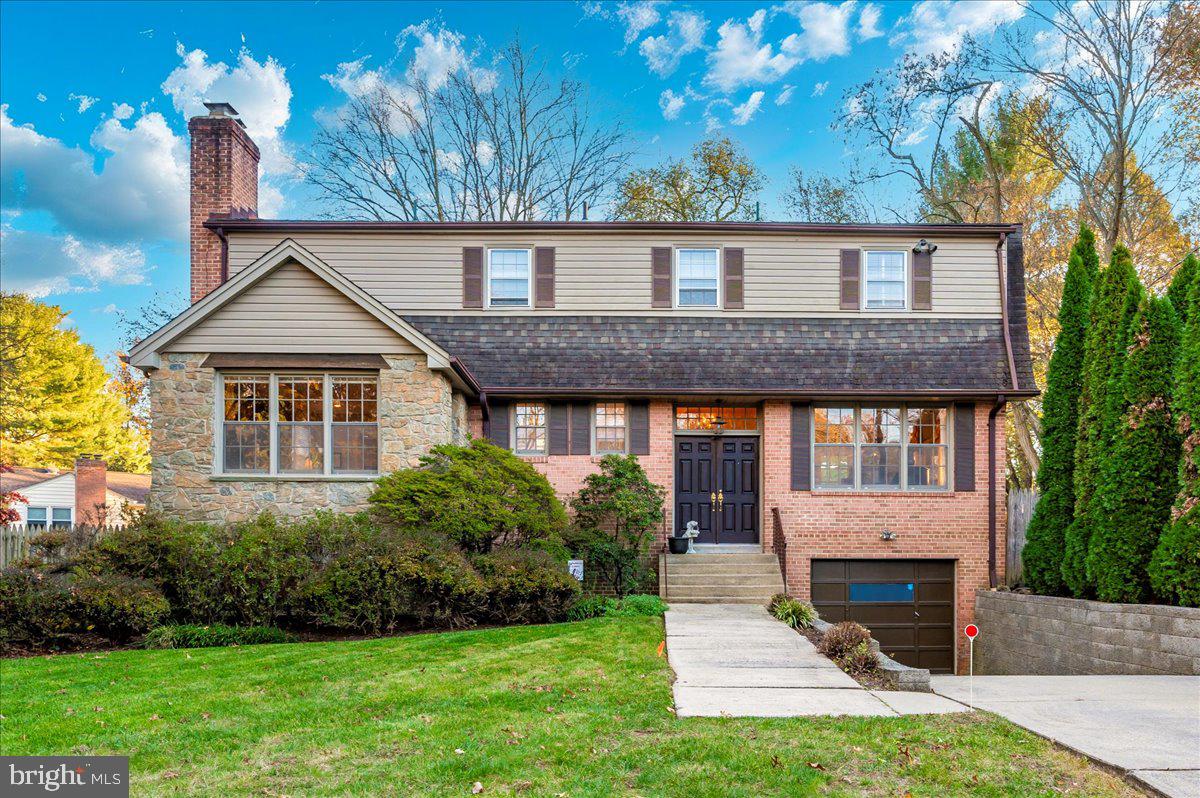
[880, 447]
[299, 425]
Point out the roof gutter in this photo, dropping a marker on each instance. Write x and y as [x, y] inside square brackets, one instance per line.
[993, 574]
[658, 393]
[1002, 268]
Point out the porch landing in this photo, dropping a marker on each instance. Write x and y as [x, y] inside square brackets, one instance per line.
[736, 660]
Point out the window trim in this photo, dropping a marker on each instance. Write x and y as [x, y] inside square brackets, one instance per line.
[43, 523]
[487, 277]
[512, 428]
[907, 306]
[720, 298]
[273, 473]
[595, 452]
[70, 521]
[857, 445]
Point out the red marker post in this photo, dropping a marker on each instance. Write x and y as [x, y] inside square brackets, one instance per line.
[972, 632]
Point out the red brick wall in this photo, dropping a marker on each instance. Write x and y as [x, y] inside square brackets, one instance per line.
[224, 167]
[952, 526]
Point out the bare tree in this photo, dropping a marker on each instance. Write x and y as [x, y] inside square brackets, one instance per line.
[502, 144]
[816, 197]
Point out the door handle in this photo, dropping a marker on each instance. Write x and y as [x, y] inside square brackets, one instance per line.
[720, 500]
[712, 502]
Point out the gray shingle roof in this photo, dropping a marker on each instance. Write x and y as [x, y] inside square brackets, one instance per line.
[734, 355]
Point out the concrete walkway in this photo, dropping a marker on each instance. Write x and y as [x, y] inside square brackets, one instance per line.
[736, 660]
[1146, 726]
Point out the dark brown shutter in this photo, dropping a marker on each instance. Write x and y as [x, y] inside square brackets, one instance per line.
[472, 277]
[850, 278]
[497, 431]
[735, 278]
[559, 428]
[922, 281]
[660, 277]
[801, 446]
[639, 428]
[543, 277]
[964, 446]
[581, 428]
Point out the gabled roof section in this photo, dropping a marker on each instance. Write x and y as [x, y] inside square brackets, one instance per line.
[146, 353]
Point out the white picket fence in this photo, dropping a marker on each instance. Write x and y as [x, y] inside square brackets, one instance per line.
[1020, 509]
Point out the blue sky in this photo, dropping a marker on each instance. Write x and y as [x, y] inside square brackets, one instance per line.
[93, 150]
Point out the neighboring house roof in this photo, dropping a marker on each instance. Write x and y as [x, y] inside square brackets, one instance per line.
[667, 354]
[133, 487]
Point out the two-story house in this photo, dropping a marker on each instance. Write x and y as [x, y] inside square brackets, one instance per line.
[831, 393]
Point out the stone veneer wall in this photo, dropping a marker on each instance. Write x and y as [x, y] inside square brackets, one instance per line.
[416, 411]
[1022, 634]
[844, 525]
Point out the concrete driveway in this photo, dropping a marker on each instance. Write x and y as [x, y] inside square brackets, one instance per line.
[1146, 726]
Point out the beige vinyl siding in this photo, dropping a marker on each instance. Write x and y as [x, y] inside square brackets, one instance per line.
[609, 272]
[292, 310]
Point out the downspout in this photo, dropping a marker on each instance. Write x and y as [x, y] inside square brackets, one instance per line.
[220, 231]
[487, 415]
[993, 576]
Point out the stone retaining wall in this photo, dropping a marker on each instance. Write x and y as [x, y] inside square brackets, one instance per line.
[1021, 634]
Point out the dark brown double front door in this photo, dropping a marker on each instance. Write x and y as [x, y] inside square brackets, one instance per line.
[716, 485]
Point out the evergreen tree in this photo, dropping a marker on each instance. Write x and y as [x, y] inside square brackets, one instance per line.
[1181, 285]
[1046, 537]
[1175, 566]
[54, 399]
[1137, 484]
[1113, 306]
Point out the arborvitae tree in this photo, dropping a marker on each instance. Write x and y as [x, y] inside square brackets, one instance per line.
[1137, 480]
[1046, 538]
[1175, 566]
[1114, 304]
[1181, 286]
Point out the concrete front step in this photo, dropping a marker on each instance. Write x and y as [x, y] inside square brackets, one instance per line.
[764, 578]
[744, 577]
[692, 592]
[711, 599]
[710, 559]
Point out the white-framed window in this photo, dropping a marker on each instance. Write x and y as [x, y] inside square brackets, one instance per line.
[885, 280]
[509, 278]
[298, 424]
[609, 428]
[881, 446]
[37, 517]
[529, 428]
[61, 517]
[697, 277]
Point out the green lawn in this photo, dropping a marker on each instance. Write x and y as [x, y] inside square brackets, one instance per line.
[572, 709]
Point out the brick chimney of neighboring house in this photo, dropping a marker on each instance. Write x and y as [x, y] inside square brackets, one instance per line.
[91, 490]
[224, 185]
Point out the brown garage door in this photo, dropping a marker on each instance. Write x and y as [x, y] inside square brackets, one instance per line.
[907, 604]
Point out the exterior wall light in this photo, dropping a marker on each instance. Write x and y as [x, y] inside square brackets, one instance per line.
[887, 534]
[923, 247]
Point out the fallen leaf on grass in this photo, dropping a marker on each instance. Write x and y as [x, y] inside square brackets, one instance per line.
[816, 766]
[661, 646]
[459, 751]
[477, 788]
[775, 763]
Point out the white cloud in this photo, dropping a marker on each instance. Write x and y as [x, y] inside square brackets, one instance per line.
[637, 17]
[437, 55]
[868, 22]
[85, 102]
[784, 97]
[671, 104]
[41, 97]
[39, 264]
[259, 90]
[111, 307]
[741, 58]
[934, 27]
[820, 88]
[825, 30]
[140, 191]
[122, 110]
[685, 34]
[745, 112]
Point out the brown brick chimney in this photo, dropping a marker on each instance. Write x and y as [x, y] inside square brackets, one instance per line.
[91, 490]
[224, 185]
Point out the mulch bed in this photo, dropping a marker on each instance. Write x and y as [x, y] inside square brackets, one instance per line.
[871, 681]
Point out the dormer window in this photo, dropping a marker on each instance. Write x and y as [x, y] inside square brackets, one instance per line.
[886, 280]
[508, 278]
[697, 278]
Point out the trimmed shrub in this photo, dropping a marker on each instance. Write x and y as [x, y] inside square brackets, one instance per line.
[118, 607]
[589, 607]
[1114, 304]
[841, 638]
[774, 602]
[477, 497]
[794, 612]
[617, 513]
[859, 660]
[525, 586]
[1133, 501]
[192, 636]
[1175, 565]
[1180, 290]
[637, 605]
[1046, 536]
